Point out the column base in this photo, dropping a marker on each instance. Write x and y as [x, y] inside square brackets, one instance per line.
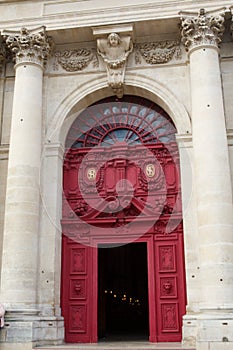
[208, 331]
[189, 330]
[24, 331]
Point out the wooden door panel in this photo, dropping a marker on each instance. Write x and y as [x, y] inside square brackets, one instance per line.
[170, 303]
[77, 297]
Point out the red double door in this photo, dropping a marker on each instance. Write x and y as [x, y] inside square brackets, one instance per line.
[100, 210]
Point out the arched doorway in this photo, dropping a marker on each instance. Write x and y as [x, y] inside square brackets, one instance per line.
[122, 188]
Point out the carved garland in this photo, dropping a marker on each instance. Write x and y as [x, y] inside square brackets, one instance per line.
[157, 52]
[76, 60]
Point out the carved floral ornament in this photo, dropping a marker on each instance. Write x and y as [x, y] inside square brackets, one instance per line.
[29, 45]
[76, 60]
[157, 52]
[202, 28]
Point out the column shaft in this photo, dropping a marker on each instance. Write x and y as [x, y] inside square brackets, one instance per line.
[22, 198]
[20, 242]
[212, 175]
[201, 35]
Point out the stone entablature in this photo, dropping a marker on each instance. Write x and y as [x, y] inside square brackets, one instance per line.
[197, 28]
[85, 58]
[93, 12]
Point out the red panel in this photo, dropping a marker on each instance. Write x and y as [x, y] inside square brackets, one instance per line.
[169, 315]
[77, 296]
[78, 319]
[170, 287]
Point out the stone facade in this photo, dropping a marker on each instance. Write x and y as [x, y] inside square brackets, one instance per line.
[55, 61]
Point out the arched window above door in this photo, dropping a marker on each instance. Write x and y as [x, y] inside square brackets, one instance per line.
[131, 120]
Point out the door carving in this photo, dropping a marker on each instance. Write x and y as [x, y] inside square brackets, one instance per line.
[121, 184]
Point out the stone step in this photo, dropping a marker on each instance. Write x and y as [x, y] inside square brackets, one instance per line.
[117, 346]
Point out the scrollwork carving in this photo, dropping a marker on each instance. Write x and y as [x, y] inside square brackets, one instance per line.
[157, 52]
[202, 28]
[32, 46]
[76, 60]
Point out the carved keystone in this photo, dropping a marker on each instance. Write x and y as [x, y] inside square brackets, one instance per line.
[114, 46]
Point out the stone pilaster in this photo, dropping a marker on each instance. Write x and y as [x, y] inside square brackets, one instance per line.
[201, 35]
[30, 49]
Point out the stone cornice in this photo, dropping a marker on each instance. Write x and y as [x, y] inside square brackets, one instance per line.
[29, 46]
[202, 28]
[73, 17]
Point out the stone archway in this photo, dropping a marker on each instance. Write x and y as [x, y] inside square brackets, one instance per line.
[134, 140]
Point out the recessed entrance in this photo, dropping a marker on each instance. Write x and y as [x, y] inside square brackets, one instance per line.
[121, 185]
[123, 292]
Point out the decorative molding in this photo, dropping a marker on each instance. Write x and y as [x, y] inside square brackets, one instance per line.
[76, 60]
[4, 152]
[202, 28]
[230, 137]
[114, 51]
[157, 52]
[29, 46]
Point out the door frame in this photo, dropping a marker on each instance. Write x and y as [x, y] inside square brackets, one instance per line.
[148, 239]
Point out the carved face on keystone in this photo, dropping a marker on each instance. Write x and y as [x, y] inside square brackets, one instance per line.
[113, 39]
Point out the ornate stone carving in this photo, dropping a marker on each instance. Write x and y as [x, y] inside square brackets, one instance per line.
[3, 54]
[115, 50]
[76, 60]
[201, 28]
[32, 46]
[157, 52]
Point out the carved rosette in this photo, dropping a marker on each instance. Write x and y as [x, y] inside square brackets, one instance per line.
[29, 46]
[202, 29]
[157, 52]
[114, 51]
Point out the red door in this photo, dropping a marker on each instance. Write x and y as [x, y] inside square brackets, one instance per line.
[121, 185]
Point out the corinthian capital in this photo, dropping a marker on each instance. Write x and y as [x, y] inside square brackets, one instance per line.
[29, 46]
[202, 28]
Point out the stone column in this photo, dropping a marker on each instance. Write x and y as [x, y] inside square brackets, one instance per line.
[20, 244]
[201, 34]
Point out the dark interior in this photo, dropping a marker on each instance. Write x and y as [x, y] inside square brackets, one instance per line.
[123, 292]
